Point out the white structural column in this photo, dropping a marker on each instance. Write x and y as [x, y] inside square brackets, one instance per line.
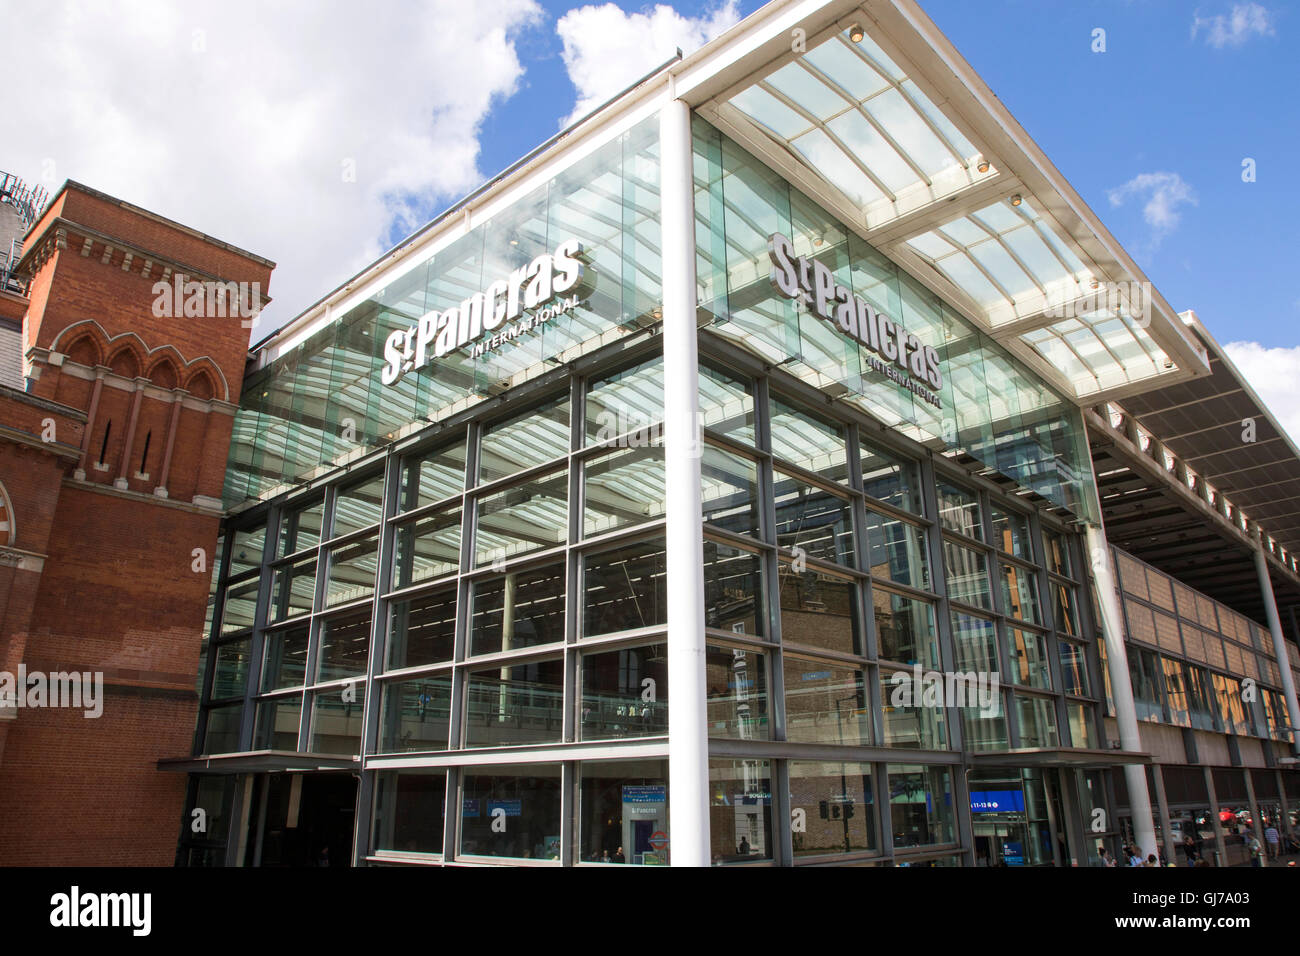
[688, 744]
[1279, 643]
[1121, 687]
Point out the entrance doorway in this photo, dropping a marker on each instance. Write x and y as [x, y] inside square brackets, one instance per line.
[302, 819]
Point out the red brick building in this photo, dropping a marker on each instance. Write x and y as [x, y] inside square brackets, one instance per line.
[112, 460]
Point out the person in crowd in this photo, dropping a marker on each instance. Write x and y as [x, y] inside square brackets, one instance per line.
[1274, 841]
[1106, 858]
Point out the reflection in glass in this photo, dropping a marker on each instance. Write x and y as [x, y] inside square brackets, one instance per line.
[415, 714]
[525, 799]
[230, 670]
[891, 479]
[838, 807]
[434, 476]
[532, 438]
[285, 658]
[826, 703]
[920, 805]
[625, 693]
[1037, 721]
[336, 721]
[628, 403]
[625, 488]
[733, 590]
[910, 722]
[727, 405]
[1011, 533]
[1029, 663]
[905, 629]
[276, 726]
[293, 589]
[819, 610]
[514, 705]
[897, 551]
[410, 807]
[975, 643]
[352, 571]
[301, 529]
[729, 490]
[736, 693]
[740, 811]
[1074, 669]
[959, 510]
[358, 506]
[524, 518]
[1019, 592]
[967, 575]
[813, 443]
[623, 812]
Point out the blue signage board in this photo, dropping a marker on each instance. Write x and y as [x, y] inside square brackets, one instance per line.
[997, 801]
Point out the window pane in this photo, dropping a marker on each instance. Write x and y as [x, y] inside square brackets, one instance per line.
[891, 479]
[300, 529]
[277, 723]
[1074, 669]
[427, 548]
[344, 646]
[1067, 618]
[740, 810]
[1019, 592]
[733, 593]
[422, 630]
[410, 807]
[898, 551]
[435, 476]
[736, 692]
[524, 805]
[336, 720]
[819, 610]
[628, 402]
[729, 490]
[967, 575]
[838, 807]
[920, 805]
[358, 506]
[285, 660]
[959, 510]
[809, 441]
[292, 590]
[222, 733]
[975, 643]
[910, 722]
[626, 488]
[537, 436]
[813, 521]
[416, 714]
[522, 519]
[623, 812]
[905, 629]
[1058, 553]
[513, 705]
[1029, 663]
[518, 609]
[246, 550]
[985, 728]
[352, 571]
[826, 703]
[230, 671]
[626, 588]
[1082, 733]
[1011, 534]
[625, 693]
[727, 405]
[1037, 718]
[240, 606]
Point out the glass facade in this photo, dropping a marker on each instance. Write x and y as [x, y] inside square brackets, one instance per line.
[455, 586]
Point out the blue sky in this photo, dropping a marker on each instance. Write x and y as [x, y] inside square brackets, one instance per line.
[1158, 100]
[323, 138]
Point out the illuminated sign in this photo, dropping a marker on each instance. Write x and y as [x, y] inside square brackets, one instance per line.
[532, 287]
[899, 355]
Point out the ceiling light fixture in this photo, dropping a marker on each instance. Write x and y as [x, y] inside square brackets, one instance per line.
[856, 33]
[983, 166]
[1016, 200]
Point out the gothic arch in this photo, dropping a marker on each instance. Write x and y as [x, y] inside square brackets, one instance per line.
[8, 529]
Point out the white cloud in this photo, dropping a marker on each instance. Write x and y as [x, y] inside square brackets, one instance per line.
[236, 117]
[605, 49]
[1234, 29]
[1272, 373]
[1163, 192]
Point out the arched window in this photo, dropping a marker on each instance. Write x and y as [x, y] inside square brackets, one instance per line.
[8, 531]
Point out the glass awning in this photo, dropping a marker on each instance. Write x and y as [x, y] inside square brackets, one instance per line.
[848, 111]
[927, 166]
